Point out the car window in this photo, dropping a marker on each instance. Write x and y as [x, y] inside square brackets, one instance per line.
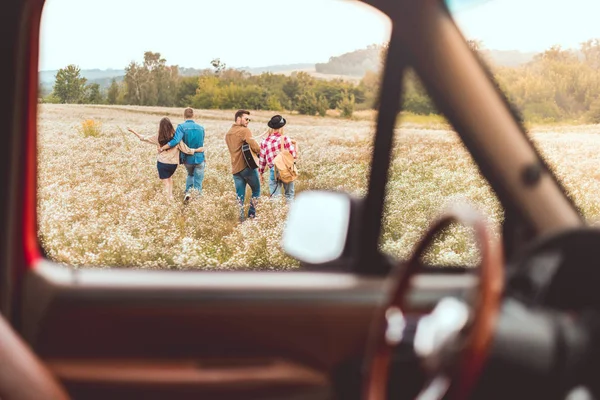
[547, 64]
[108, 82]
[545, 57]
[431, 170]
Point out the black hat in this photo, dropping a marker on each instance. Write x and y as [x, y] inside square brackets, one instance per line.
[276, 122]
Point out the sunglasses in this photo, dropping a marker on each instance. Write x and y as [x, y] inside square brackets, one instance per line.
[247, 119]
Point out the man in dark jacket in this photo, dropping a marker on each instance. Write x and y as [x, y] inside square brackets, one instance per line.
[242, 174]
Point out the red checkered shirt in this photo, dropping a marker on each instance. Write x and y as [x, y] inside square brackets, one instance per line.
[270, 147]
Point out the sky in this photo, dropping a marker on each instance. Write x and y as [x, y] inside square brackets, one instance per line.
[189, 33]
[530, 25]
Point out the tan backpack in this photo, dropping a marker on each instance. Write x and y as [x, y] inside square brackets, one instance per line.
[285, 165]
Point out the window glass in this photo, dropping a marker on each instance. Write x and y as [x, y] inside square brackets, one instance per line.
[546, 58]
[107, 67]
[432, 170]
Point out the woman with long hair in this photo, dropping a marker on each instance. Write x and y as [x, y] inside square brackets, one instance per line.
[167, 160]
[269, 148]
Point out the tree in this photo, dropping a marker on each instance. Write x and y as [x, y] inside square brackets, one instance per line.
[415, 98]
[218, 65]
[291, 89]
[153, 61]
[273, 104]
[113, 92]
[186, 89]
[322, 106]
[591, 52]
[136, 80]
[369, 86]
[346, 105]
[93, 95]
[308, 103]
[164, 83]
[69, 86]
[208, 94]
[557, 54]
[152, 83]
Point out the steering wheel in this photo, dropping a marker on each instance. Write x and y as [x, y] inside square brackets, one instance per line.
[453, 340]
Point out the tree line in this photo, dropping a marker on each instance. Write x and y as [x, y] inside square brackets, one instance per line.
[556, 85]
[154, 83]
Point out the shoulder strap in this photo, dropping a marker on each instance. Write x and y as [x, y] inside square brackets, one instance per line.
[282, 145]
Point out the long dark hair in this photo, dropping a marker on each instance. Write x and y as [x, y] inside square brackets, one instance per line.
[165, 131]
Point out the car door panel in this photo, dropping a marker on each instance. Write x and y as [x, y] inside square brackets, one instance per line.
[209, 333]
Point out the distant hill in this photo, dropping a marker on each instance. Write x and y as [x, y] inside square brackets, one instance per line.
[508, 58]
[103, 77]
[191, 71]
[356, 63]
[279, 68]
[89, 74]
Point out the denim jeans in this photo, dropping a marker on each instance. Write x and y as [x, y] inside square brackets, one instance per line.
[275, 188]
[250, 177]
[195, 176]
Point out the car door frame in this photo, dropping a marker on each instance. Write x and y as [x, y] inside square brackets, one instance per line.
[309, 319]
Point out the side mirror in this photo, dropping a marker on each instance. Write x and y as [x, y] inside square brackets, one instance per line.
[317, 226]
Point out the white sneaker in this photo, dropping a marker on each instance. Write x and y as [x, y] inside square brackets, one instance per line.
[186, 198]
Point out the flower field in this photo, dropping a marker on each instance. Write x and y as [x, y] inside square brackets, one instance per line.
[101, 204]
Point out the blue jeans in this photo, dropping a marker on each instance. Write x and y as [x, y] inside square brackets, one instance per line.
[250, 177]
[275, 187]
[195, 176]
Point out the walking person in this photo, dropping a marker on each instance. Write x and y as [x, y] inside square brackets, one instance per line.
[269, 148]
[166, 161]
[243, 175]
[192, 135]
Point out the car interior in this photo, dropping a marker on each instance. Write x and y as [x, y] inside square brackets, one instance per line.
[352, 323]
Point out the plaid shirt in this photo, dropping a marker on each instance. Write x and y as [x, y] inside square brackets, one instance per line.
[270, 147]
